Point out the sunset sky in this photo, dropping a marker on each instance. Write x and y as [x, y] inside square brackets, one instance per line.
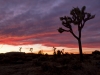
[34, 23]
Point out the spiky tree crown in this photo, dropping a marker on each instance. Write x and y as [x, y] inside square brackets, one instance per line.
[78, 17]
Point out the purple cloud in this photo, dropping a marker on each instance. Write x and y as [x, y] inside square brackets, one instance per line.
[38, 20]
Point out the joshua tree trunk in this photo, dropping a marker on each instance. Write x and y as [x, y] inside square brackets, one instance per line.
[79, 43]
[80, 49]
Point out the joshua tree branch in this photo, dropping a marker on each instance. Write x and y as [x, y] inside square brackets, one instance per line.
[62, 30]
[82, 25]
[73, 34]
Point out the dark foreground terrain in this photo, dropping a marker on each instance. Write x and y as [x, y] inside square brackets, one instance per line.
[17, 63]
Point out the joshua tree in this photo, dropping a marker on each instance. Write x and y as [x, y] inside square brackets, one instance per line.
[78, 17]
[31, 49]
[62, 51]
[20, 49]
[54, 53]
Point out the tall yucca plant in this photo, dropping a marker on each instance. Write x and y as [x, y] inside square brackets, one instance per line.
[78, 17]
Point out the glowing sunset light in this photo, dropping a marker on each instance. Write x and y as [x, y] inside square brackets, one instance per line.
[38, 47]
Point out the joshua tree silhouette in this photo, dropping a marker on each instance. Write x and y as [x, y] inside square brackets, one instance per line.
[54, 53]
[20, 49]
[79, 18]
[59, 53]
[31, 49]
[62, 51]
[40, 52]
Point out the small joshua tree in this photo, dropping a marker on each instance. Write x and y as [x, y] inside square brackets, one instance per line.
[20, 49]
[79, 18]
[54, 53]
[62, 51]
[31, 49]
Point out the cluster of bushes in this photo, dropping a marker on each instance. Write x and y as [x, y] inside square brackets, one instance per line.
[96, 52]
[17, 57]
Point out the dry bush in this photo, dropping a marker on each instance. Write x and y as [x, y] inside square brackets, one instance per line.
[51, 67]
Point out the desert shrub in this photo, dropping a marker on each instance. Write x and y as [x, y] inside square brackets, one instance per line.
[32, 55]
[7, 60]
[40, 52]
[15, 53]
[63, 60]
[2, 55]
[66, 54]
[98, 64]
[13, 57]
[51, 68]
[87, 56]
[45, 66]
[36, 62]
[96, 57]
[43, 58]
[90, 68]
[76, 66]
[58, 53]
[96, 52]
[46, 55]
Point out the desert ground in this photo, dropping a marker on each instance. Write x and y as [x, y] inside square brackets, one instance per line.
[18, 63]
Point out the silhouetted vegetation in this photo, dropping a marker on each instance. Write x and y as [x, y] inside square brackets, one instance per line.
[20, 48]
[96, 52]
[31, 49]
[78, 17]
[18, 63]
[58, 53]
[40, 52]
[54, 52]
